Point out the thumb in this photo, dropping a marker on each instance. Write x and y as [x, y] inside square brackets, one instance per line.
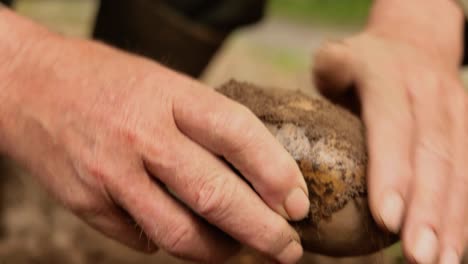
[333, 74]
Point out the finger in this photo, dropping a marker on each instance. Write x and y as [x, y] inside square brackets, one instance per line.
[453, 237]
[389, 134]
[87, 198]
[212, 190]
[388, 120]
[332, 71]
[334, 77]
[117, 225]
[170, 225]
[232, 131]
[432, 164]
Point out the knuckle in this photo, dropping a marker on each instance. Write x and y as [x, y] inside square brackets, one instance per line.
[331, 49]
[386, 119]
[99, 168]
[156, 149]
[159, 158]
[436, 150]
[214, 197]
[129, 136]
[272, 240]
[83, 207]
[97, 171]
[434, 144]
[287, 175]
[217, 120]
[178, 240]
[234, 119]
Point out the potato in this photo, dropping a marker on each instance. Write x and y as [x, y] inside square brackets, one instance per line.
[329, 146]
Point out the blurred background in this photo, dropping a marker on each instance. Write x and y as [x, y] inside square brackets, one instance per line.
[276, 52]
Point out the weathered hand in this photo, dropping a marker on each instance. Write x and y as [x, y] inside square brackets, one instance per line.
[415, 111]
[116, 138]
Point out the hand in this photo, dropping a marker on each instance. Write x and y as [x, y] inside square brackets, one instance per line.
[112, 136]
[414, 107]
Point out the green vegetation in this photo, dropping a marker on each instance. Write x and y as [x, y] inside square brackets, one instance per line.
[285, 59]
[332, 12]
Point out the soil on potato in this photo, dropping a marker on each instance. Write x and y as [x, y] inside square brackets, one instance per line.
[334, 127]
[328, 143]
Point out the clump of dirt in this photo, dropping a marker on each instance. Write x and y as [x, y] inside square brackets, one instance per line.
[329, 129]
[328, 143]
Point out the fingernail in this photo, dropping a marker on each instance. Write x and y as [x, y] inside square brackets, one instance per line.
[450, 256]
[391, 212]
[297, 204]
[291, 253]
[425, 250]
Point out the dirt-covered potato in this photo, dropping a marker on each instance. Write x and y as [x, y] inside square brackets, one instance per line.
[329, 146]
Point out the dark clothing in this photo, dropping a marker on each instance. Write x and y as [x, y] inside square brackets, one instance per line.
[223, 15]
[183, 34]
[6, 2]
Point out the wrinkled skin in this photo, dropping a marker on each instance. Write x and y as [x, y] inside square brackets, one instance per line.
[403, 71]
[134, 149]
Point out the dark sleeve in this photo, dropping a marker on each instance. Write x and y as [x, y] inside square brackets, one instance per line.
[6, 2]
[223, 15]
[182, 34]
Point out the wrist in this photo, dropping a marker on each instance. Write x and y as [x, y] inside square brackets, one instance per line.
[432, 26]
[26, 49]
